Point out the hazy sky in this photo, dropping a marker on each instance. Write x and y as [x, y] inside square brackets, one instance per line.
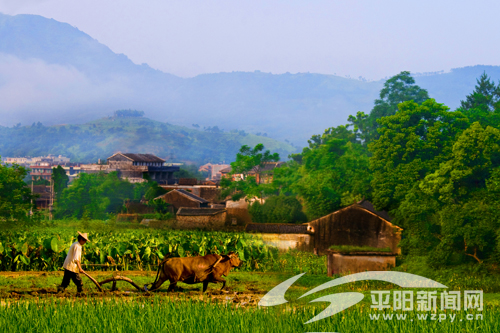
[370, 38]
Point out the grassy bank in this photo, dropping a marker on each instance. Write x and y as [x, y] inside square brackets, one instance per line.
[483, 276]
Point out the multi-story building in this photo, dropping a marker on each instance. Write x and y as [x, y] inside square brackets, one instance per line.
[42, 171]
[135, 166]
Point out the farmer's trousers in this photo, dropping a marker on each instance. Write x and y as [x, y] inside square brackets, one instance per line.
[69, 275]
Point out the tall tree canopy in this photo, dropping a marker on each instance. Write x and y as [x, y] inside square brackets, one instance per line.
[453, 213]
[93, 196]
[483, 104]
[413, 142]
[485, 95]
[16, 199]
[398, 89]
[277, 209]
[60, 180]
[248, 159]
[332, 172]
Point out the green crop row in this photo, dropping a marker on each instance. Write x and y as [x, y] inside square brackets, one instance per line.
[131, 249]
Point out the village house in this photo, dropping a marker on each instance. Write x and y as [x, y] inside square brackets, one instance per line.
[135, 166]
[213, 170]
[44, 196]
[225, 173]
[181, 198]
[210, 193]
[357, 225]
[264, 174]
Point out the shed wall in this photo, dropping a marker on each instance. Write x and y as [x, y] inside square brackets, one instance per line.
[354, 226]
[285, 242]
[350, 264]
[208, 222]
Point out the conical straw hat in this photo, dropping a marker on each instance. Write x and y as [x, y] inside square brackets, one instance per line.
[84, 235]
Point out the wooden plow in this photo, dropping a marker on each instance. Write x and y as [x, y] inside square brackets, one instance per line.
[111, 263]
[114, 279]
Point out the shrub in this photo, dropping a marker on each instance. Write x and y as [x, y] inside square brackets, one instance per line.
[277, 209]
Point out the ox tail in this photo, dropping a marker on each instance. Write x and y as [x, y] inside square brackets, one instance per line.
[160, 266]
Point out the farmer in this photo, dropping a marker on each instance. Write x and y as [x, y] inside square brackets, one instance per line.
[72, 264]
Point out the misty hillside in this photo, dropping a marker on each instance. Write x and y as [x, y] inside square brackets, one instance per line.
[33, 36]
[103, 137]
[54, 73]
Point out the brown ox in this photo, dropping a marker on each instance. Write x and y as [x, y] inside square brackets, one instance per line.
[193, 270]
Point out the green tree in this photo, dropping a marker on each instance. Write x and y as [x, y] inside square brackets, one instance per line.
[140, 190]
[93, 196]
[286, 176]
[60, 180]
[147, 190]
[248, 159]
[15, 197]
[398, 89]
[39, 181]
[277, 209]
[159, 206]
[485, 95]
[154, 191]
[456, 206]
[412, 144]
[190, 171]
[483, 104]
[330, 172]
[340, 132]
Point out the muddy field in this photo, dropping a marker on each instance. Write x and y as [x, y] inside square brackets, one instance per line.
[33, 285]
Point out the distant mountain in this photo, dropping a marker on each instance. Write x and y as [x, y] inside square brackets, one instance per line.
[450, 88]
[103, 137]
[54, 73]
[33, 36]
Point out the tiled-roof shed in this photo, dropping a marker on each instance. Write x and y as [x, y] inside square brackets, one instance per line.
[358, 225]
[182, 198]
